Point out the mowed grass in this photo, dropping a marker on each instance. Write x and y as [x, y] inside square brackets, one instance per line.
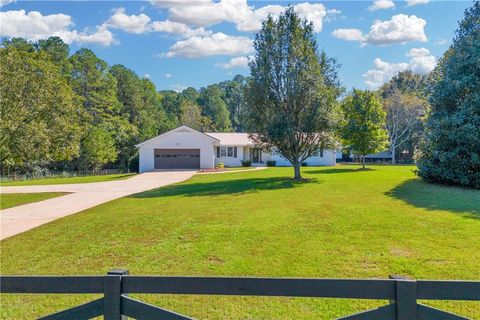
[9, 200]
[343, 223]
[85, 179]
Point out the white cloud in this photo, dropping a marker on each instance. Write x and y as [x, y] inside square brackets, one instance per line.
[332, 15]
[399, 29]
[179, 87]
[168, 75]
[131, 24]
[382, 72]
[35, 26]
[101, 36]
[253, 21]
[205, 12]
[237, 62]
[313, 12]
[348, 34]
[441, 42]
[246, 18]
[5, 2]
[142, 24]
[415, 2]
[381, 4]
[168, 26]
[214, 44]
[333, 11]
[146, 76]
[421, 61]
[164, 4]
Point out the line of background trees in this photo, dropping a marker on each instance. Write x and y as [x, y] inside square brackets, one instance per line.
[74, 112]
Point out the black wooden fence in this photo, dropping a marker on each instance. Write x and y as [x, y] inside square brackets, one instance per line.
[116, 305]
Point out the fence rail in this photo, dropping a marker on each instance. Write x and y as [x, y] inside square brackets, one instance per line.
[12, 177]
[116, 285]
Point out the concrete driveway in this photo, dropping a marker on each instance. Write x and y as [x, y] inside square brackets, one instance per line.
[82, 196]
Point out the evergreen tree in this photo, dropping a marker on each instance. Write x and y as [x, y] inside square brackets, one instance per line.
[97, 88]
[190, 95]
[129, 94]
[451, 150]
[155, 119]
[58, 52]
[214, 107]
[191, 115]
[95, 85]
[169, 100]
[234, 97]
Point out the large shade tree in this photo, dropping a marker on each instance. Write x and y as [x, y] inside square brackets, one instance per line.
[292, 91]
[451, 151]
[39, 114]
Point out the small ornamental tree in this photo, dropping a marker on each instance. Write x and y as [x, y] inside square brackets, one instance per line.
[451, 151]
[363, 130]
[292, 92]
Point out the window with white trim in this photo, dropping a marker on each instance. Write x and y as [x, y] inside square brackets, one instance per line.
[227, 152]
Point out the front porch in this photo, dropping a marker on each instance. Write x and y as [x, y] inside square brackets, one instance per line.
[232, 156]
[256, 155]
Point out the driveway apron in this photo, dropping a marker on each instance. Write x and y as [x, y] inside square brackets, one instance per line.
[81, 196]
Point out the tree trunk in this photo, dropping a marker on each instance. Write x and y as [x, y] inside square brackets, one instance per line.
[296, 170]
[363, 162]
[393, 155]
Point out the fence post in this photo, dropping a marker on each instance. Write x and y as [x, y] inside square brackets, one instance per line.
[113, 294]
[406, 299]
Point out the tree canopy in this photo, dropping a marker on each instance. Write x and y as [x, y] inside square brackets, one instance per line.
[40, 115]
[405, 99]
[363, 131]
[71, 112]
[451, 150]
[291, 95]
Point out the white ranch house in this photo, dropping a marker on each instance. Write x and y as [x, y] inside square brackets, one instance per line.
[186, 148]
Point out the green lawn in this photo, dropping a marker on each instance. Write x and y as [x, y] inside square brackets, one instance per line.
[344, 223]
[86, 179]
[15, 199]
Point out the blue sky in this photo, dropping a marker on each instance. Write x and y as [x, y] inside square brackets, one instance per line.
[181, 43]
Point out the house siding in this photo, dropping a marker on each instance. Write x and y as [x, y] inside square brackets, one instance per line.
[177, 140]
[187, 138]
[328, 159]
[229, 161]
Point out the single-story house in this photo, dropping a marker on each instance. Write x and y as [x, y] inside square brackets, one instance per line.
[186, 148]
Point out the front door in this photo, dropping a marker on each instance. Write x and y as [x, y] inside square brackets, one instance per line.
[256, 155]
